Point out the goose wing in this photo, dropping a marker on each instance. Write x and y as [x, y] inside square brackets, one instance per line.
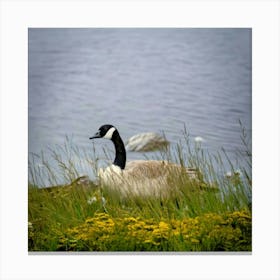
[156, 168]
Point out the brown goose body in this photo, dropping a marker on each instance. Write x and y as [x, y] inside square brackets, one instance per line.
[141, 177]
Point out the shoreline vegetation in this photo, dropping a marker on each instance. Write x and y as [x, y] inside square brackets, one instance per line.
[210, 214]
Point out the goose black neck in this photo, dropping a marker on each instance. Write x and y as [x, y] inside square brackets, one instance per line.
[120, 158]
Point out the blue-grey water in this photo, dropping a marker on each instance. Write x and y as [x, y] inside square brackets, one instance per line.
[139, 80]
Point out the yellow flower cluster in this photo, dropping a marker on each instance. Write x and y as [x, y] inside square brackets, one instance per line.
[147, 231]
[208, 232]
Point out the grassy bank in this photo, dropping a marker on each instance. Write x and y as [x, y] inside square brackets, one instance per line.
[211, 214]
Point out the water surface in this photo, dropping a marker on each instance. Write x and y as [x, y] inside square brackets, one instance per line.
[139, 80]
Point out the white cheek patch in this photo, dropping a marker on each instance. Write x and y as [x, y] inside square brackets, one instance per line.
[109, 133]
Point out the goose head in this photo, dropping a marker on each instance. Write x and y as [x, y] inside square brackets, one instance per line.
[108, 131]
[105, 131]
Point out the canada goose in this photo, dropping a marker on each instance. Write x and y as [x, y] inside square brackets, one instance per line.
[145, 142]
[146, 177]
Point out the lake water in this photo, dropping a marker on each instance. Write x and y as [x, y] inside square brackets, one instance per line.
[139, 80]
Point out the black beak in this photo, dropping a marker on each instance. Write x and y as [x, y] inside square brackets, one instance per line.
[96, 135]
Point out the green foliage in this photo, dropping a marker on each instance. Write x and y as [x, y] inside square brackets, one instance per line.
[102, 232]
[211, 214]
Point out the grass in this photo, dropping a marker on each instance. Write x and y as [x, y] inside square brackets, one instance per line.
[211, 214]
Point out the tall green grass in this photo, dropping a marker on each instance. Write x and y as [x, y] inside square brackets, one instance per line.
[60, 213]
